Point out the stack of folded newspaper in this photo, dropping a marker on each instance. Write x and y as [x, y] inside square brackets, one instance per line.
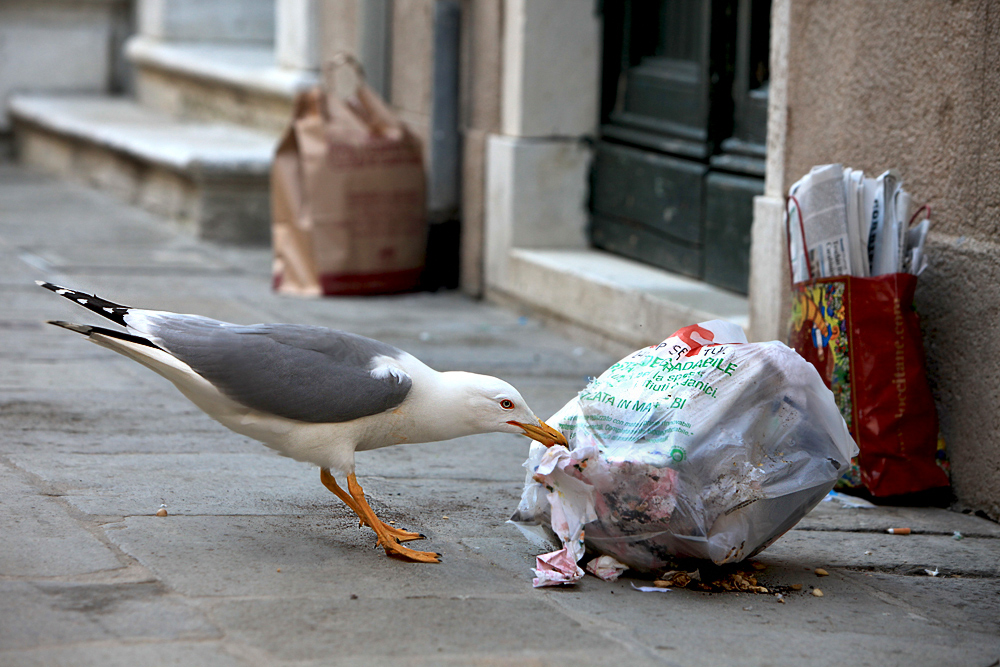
[853, 225]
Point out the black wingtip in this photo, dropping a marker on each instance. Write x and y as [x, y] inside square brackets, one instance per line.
[88, 330]
[79, 328]
[109, 309]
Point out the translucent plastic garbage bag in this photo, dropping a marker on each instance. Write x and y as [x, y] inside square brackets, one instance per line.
[704, 446]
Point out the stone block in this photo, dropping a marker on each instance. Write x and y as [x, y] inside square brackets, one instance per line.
[216, 21]
[482, 59]
[339, 27]
[619, 299]
[56, 47]
[769, 290]
[213, 177]
[956, 299]
[297, 29]
[473, 210]
[551, 68]
[239, 83]
[412, 55]
[536, 197]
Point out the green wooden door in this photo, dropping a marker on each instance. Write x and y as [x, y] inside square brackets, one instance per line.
[681, 151]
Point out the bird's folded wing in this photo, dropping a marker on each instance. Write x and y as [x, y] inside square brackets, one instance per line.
[310, 374]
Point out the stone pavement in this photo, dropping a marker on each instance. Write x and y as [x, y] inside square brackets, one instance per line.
[257, 564]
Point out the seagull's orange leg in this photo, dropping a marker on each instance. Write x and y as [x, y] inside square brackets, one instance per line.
[331, 483]
[386, 539]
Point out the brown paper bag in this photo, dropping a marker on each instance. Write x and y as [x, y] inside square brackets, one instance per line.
[348, 211]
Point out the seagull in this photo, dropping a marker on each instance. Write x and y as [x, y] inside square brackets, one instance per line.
[313, 394]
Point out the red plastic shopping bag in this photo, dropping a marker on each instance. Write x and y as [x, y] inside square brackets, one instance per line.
[863, 336]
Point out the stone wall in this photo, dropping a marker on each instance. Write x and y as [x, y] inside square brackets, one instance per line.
[61, 46]
[915, 85]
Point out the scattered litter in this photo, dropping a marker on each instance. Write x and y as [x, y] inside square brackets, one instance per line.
[650, 589]
[758, 566]
[748, 608]
[555, 569]
[869, 552]
[796, 587]
[606, 568]
[279, 569]
[780, 598]
[820, 572]
[957, 535]
[898, 531]
[848, 501]
[444, 517]
[932, 573]
[162, 511]
[817, 592]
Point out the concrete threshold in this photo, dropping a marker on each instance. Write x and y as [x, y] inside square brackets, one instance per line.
[617, 302]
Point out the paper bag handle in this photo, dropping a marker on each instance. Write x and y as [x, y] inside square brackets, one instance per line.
[330, 67]
[925, 207]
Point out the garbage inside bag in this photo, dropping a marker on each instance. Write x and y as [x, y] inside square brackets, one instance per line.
[704, 446]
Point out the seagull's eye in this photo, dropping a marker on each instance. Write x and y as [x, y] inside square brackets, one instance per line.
[507, 404]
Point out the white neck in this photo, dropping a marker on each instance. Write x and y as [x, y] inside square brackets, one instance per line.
[436, 407]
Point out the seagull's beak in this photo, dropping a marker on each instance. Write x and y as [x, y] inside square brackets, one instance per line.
[543, 433]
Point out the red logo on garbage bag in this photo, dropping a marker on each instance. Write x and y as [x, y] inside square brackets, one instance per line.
[695, 337]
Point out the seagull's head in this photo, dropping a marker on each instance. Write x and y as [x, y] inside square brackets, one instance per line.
[495, 406]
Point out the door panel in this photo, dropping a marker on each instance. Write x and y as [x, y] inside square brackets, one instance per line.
[655, 191]
[681, 150]
[728, 216]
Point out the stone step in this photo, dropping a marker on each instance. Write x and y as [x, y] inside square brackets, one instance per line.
[211, 175]
[233, 82]
[624, 304]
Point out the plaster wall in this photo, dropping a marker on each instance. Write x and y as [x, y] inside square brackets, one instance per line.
[915, 85]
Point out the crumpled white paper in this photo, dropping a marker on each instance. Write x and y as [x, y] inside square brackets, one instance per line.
[572, 503]
[607, 568]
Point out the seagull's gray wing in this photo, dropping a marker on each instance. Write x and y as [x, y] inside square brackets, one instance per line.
[307, 373]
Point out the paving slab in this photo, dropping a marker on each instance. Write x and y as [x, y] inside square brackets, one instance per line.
[43, 614]
[903, 553]
[296, 630]
[854, 623]
[162, 654]
[920, 520]
[41, 539]
[297, 556]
